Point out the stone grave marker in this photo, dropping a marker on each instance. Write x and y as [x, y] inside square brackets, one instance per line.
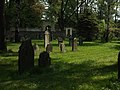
[26, 57]
[62, 47]
[46, 38]
[49, 48]
[74, 44]
[36, 48]
[44, 59]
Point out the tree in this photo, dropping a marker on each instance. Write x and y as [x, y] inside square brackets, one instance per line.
[88, 26]
[106, 11]
[2, 28]
[17, 39]
[65, 11]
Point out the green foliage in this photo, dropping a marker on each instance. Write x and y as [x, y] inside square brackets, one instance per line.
[30, 13]
[88, 26]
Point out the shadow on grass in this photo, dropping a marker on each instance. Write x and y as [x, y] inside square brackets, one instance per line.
[117, 47]
[59, 76]
[9, 54]
[92, 44]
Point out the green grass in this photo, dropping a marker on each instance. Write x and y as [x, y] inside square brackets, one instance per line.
[92, 67]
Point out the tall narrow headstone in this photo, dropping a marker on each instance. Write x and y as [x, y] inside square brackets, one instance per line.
[26, 57]
[119, 66]
[49, 47]
[74, 44]
[62, 47]
[36, 48]
[46, 38]
[44, 59]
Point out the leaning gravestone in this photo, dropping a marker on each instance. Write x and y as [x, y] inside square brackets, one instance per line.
[26, 57]
[62, 47]
[74, 44]
[36, 48]
[119, 66]
[46, 38]
[44, 59]
[49, 47]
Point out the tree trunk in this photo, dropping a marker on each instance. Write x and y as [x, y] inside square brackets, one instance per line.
[17, 21]
[2, 36]
[108, 26]
[62, 16]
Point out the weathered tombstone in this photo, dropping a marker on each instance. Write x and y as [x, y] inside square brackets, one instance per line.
[49, 47]
[74, 44]
[47, 38]
[70, 40]
[36, 48]
[119, 66]
[44, 59]
[62, 47]
[60, 40]
[26, 57]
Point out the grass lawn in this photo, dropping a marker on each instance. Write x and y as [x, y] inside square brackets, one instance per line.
[92, 67]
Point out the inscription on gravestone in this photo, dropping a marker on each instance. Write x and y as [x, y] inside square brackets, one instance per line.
[26, 57]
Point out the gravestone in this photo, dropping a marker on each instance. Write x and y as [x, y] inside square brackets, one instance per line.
[60, 40]
[74, 44]
[119, 66]
[49, 47]
[36, 48]
[46, 38]
[62, 47]
[26, 57]
[44, 59]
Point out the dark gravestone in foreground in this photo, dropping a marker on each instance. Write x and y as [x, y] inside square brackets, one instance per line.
[49, 47]
[44, 59]
[119, 66]
[26, 57]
